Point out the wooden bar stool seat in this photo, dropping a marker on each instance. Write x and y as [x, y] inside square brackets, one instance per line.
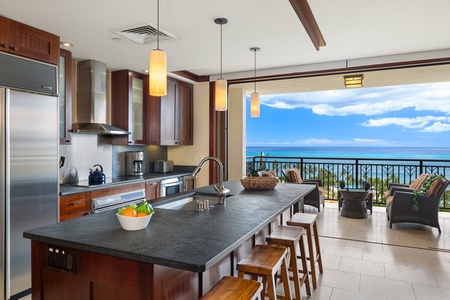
[233, 288]
[291, 237]
[308, 222]
[265, 261]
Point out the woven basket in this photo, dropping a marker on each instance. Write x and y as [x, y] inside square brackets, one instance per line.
[259, 183]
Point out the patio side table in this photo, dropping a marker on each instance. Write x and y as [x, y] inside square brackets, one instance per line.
[354, 204]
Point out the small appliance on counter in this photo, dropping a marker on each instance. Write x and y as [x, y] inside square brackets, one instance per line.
[134, 161]
[97, 176]
[163, 166]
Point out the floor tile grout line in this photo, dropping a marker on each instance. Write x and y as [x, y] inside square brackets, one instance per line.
[387, 244]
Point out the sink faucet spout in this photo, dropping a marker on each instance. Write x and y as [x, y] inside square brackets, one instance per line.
[221, 190]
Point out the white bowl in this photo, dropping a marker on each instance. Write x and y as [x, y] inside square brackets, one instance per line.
[133, 223]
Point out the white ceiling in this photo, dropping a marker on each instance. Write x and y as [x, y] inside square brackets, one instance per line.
[352, 29]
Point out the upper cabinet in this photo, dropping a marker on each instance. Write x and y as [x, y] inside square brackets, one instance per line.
[27, 41]
[65, 96]
[129, 91]
[151, 120]
[177, 114]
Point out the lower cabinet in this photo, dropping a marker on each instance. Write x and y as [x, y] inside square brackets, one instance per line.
[151, 190]
[74, 206]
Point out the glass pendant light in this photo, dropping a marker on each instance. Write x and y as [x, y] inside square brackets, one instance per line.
[221, 84]
[254, 101]
[157, 67]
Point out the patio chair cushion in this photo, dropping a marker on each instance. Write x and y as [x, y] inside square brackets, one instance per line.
[294, 175]
[417, 184]
[435, 187]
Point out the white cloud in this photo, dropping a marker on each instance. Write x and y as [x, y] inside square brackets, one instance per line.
[367, 101]
[317, 142]
[370, 141]
[437, 127]
[417, 122]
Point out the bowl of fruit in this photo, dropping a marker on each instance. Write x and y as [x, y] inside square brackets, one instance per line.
[135, 216]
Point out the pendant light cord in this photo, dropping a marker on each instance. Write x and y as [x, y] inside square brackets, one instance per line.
[255, 71]
[221, 56]
[157, 25]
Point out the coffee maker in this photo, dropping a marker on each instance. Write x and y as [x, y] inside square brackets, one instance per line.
[134, 163]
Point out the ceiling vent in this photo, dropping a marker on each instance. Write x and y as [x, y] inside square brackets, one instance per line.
[144, 34]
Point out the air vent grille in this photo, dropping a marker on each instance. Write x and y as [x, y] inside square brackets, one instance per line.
[144, 34]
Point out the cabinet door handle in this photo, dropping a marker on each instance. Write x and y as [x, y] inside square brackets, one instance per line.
[14, 48]
[6, 45]
[47, 87]
[75, 203]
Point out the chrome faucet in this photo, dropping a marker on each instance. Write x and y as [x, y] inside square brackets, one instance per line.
[221, 190]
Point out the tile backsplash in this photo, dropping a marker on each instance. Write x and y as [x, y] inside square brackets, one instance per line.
[87, 150]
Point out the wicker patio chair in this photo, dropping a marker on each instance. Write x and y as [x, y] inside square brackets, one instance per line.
[316, 197]
[401, 210]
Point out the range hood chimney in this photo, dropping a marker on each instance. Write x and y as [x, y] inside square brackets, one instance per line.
[91, 100]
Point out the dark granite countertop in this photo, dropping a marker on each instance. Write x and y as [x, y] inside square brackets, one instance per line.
[67, 189]
[187, 240]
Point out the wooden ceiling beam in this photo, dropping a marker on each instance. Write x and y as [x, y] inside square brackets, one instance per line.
[304, 13]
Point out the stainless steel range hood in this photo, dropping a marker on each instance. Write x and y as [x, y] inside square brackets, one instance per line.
[91, 100]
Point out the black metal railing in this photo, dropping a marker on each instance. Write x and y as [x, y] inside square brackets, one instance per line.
[354, 171]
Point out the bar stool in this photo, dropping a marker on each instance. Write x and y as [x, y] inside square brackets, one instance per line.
[308, 222]
[233, 288]
[265, 261]
[291, 237]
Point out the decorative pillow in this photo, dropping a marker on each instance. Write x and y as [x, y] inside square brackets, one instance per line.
[435, 187]
[294, 175]
[417, 184]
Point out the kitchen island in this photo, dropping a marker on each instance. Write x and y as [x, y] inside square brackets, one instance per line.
[180, 255]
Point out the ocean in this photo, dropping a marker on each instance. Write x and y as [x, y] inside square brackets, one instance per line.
[353, 152]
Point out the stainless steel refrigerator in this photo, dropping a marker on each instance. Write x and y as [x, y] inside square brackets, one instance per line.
[28, 164]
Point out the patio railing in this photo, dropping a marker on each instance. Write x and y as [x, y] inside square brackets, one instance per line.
[354, 171]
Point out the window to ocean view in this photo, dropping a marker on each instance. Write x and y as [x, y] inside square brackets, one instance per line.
[410, 116]
[380, 135]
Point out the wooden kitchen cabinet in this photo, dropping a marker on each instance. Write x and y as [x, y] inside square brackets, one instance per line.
[129, 92]
[151, 190]
[21, 39]
[74, 206]
[176, 114]
[65, 96]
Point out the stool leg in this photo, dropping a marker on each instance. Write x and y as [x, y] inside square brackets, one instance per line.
[294, 270]
[312, 260]
[271, 288]
[285, 278]
[318, 253]
[304, 266]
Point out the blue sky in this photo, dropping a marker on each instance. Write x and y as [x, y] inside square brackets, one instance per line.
[397, 116]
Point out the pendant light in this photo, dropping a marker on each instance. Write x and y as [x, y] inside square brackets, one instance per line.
[157, 66]
[254, 101]
[221, 84]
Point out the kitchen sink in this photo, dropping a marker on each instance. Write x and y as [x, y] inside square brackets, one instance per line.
[191, 203]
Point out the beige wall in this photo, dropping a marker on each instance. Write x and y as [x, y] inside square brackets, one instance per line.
[236, 133]
[191, 155]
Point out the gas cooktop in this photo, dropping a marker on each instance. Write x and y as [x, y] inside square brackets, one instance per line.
[109, 181]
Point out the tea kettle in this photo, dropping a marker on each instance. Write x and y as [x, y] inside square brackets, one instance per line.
[97, 176]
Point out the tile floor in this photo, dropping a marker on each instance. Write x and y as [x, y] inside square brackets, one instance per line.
[365, 259]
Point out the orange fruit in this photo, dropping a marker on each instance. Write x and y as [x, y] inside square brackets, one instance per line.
[129, 212]
[142, 214]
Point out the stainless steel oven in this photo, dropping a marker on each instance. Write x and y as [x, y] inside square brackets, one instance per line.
[170, 186]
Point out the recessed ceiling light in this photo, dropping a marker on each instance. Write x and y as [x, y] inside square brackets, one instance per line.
[66, 44]
[145, 71]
